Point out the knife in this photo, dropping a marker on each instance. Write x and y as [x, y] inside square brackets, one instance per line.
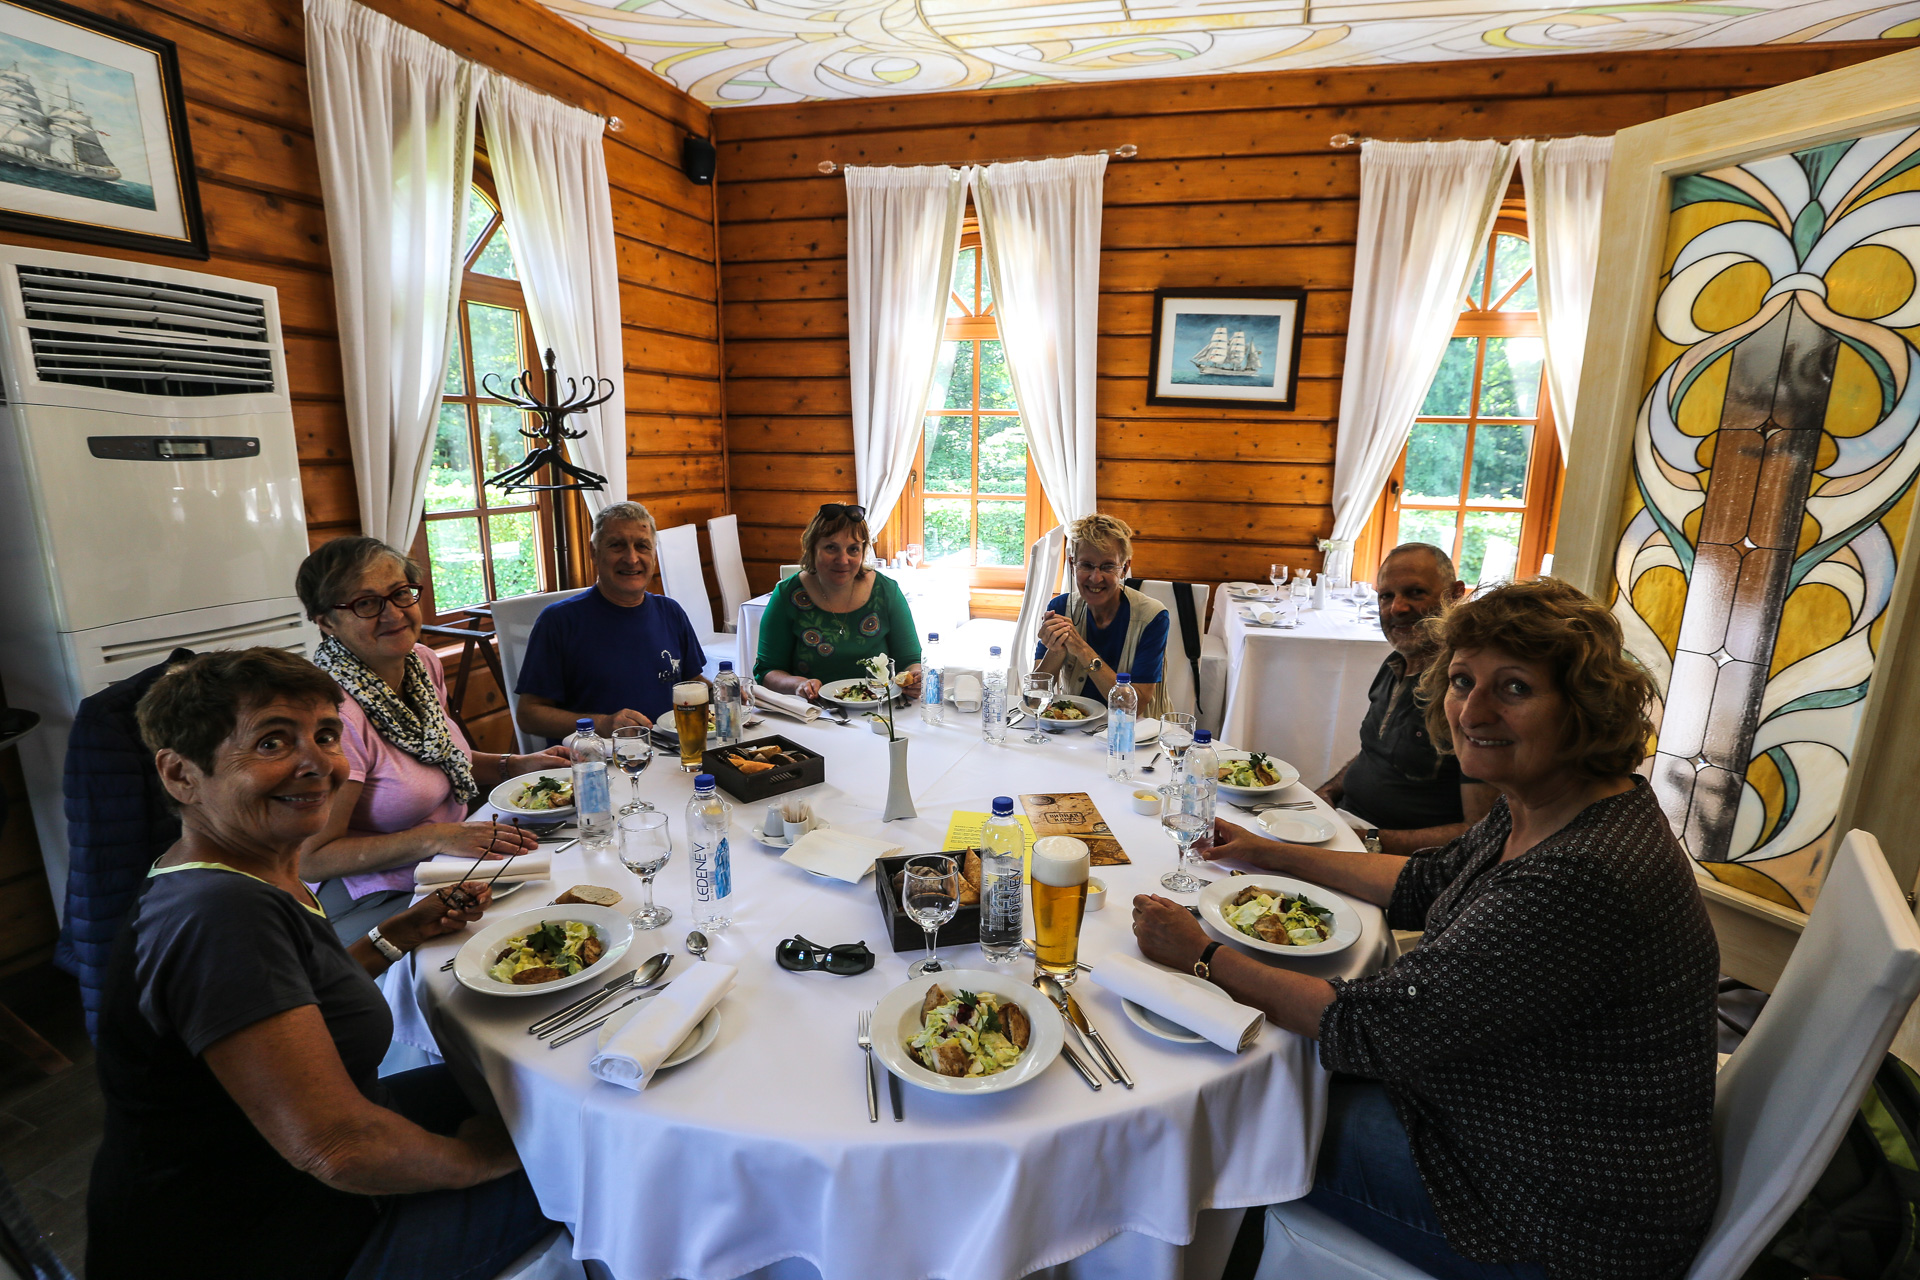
[1079, 1018]
[893, 1091]
[1057, 996]
[1072, 1055]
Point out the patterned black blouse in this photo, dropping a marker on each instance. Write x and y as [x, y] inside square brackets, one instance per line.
[1550, 1044]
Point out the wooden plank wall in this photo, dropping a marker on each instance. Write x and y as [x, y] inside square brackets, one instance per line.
[243, 67]
[1235, 184]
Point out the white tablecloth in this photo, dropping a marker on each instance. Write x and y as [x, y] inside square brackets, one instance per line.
[937, 596]
[1299, 694]
[758, 1158]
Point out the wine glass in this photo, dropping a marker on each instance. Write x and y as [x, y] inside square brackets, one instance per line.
[1184, 807]
[930, 893]
[912, 554]
[1277, 575]
[633, 750]
[1037, 693]
[1176, 735]
[645, 846]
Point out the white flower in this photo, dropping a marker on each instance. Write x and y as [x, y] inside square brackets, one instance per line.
[879, 667]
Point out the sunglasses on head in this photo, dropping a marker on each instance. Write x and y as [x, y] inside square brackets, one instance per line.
[846, 509]
[798, 955]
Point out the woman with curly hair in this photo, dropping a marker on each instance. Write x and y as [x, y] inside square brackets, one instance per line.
[825, 620]
[1529, 1091]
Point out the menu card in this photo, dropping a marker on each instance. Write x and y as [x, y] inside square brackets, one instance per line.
[1071, 813]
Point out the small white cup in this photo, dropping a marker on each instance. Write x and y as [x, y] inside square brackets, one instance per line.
[794, 830]
[1096, 893]
[1147, 802]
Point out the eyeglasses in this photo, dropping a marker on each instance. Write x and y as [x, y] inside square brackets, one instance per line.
[847, 509]
[370, 606]
[798, 955]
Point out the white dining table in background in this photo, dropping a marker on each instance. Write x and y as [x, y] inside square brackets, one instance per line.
[1299, 694]
[757, 1158]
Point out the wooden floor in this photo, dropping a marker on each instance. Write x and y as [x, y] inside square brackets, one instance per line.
[50, 1125]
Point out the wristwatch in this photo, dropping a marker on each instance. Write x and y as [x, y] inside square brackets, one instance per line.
[1094, 666]
[1372, 839]
[1203, 967]
[393, 954]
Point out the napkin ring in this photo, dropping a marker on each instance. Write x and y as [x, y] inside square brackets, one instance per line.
[1203, 967]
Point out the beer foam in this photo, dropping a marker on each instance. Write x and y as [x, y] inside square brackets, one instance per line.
[1060, 861]
[690, 693]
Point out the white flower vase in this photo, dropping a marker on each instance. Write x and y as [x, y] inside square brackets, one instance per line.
[899, 794]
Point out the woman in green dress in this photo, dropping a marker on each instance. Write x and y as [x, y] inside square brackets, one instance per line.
[823, 621]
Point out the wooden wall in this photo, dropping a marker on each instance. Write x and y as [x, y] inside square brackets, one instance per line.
[1235, 184]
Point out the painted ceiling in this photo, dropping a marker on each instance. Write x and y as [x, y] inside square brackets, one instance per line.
[736, 52]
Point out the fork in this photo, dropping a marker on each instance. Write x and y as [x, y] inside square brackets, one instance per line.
[866, 1046]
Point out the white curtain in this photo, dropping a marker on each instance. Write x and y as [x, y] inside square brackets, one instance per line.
[1566, 183]
[550, 168]
[1425, 210]
[1040, 234]
[903, 230]
[393, 126]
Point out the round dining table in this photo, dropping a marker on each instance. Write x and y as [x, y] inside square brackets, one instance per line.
[757, 1157]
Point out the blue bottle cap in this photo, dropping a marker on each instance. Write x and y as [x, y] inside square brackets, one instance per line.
[1123, 678]
[583, 725]
[703, 782]
[994, 652]
[1002, 806]
[932, 636]
[1202, 737]
[726, 666]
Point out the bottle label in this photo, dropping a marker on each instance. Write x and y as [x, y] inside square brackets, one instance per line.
[592, 793]
[722, 870]
[1120, 734]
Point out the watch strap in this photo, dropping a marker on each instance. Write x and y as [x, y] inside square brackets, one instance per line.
[393, 954]
[1372, 840]
[1203, 967]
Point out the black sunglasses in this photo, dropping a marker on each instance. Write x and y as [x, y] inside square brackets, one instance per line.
[798, 955]
[847, 509]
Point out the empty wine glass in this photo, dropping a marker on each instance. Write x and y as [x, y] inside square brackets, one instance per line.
[1176, 735]
[1183, 813]
[1277, 575]
[645, 846]
[912, 555]
[930, 894]
[1037, 694]
[633, 750]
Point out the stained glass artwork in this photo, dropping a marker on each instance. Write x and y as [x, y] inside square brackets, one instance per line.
[1773, 468]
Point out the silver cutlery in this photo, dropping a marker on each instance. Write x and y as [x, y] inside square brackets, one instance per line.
[1057, 996]
[866, 1046]
[1092, 729]
[1067, 1050]
[893, 1091]
[1148, 766]
[1078, 1017]
[644, 976]
[596, 1023]
[1074, 1060]
[697, 945]
[1026, 949]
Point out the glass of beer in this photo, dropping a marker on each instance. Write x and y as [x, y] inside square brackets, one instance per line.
[1060, 868]
[690, 722]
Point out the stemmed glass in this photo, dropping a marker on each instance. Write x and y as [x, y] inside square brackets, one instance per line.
[1038, 696]
[1277, 575]
[1176, 735]
[633, 750]
[645, 846]
[930, 893]
[1184, 806]
[912, 555]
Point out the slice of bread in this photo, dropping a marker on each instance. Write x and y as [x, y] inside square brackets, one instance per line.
[591, 894]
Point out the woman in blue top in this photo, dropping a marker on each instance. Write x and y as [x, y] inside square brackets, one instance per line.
[1104, 626]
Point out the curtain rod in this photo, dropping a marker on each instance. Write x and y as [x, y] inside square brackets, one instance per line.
[1125, 151]
[1355, 139]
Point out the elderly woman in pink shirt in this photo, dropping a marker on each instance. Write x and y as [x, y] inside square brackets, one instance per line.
[412, 776]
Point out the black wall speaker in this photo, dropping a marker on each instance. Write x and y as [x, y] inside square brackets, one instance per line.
[696, 159]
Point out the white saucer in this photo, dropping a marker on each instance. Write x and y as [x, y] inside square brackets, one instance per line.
[781, 841]
[1165, 1028]
[696, 1043]
[1296, 826]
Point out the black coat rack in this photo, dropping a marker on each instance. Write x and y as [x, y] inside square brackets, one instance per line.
[549, 453]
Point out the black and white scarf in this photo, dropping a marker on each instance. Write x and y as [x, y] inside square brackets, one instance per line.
[411, 720]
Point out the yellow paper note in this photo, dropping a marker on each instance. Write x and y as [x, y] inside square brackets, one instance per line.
[963, 832]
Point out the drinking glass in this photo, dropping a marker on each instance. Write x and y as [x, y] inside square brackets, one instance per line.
[1277, 575]
[930, 893]
[645, 846]
[1037, 694]
[633, 750]
[690, 722]
[1176, 735]
[1061, 866]
[1184, 805]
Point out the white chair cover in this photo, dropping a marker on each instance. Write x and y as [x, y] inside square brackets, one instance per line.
[1181, 695]
[513, 620]
[1044, 559]
[724, 533]
[682, 579]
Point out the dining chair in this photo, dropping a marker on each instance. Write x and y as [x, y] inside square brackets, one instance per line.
[1044, 559]
[1182, 661]
[682, 579]
[1781, 1104]
[513, 620]
[731, 571]
[551, 1259]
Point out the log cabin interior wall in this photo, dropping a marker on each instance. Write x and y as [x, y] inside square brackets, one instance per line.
[1235, 184]
[243, 68]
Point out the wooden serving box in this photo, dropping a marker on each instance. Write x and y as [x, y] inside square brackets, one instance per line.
[749, 787]
[904, 934]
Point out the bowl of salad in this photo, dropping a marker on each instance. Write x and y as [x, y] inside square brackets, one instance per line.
[548, 949]
[1066, 711]
[1279, 915]
[859, 692]
[966, 1031]
[547, 794]
[1253, 774]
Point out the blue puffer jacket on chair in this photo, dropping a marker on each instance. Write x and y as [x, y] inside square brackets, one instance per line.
[118, 822]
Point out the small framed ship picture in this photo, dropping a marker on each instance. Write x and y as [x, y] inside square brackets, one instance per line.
[1217, 347]
[93, 132]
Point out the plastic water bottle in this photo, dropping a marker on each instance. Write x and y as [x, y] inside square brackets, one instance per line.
[728, 704]
[592, 789]
[933, 687]
[1003, 863]
[993, 698]
[1203, 764]
[709, 819]
[1123, 708]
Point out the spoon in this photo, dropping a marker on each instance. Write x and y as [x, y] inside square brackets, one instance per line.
[697, 945]
[1148, 766]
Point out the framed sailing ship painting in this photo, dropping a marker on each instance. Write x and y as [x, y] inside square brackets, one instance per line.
[93, 132]
[1215, 347]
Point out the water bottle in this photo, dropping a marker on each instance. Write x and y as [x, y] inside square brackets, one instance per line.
[1123, 708]
[728, 704]
[709, 818]
[1003, 863]
[993, 698]
[1203, 763]
[933, 687]
[592, 789]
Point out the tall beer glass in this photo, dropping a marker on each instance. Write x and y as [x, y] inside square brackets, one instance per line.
[1060, 868]
[690, 722]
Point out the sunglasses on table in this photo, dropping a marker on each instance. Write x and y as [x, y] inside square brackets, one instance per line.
[797, 955]
[370, 606]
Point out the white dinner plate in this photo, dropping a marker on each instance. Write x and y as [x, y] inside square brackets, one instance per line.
[1096, 714]
[1296, 826]
[1252, 619]
[832, 689]
[502, 796]
[1346, 921]
[1166, 1028]
[704, 1033]
[1288, 776]
[476, 957]
[896, 1020]
[1247, 590]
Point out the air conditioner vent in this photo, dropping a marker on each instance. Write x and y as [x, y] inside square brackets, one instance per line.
[149, 367]
[119, 302]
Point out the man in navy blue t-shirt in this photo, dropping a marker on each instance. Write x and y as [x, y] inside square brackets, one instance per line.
[613, 652]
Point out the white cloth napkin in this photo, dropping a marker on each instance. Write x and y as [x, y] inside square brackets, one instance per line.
[444, 870]
[1210, 1012]
[966, 692]
[784, 703]
[840, 854]
[1262, 614]
[651, 1035]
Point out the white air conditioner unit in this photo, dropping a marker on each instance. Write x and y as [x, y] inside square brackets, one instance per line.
[149, 487]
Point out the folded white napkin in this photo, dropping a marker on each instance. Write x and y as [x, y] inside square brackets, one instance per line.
[784, 703]
[445, 870]
[966, 692]
[1263, 614]
[840, 854]
[1354, 820]
[651, 1035]
[1208, 1012]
